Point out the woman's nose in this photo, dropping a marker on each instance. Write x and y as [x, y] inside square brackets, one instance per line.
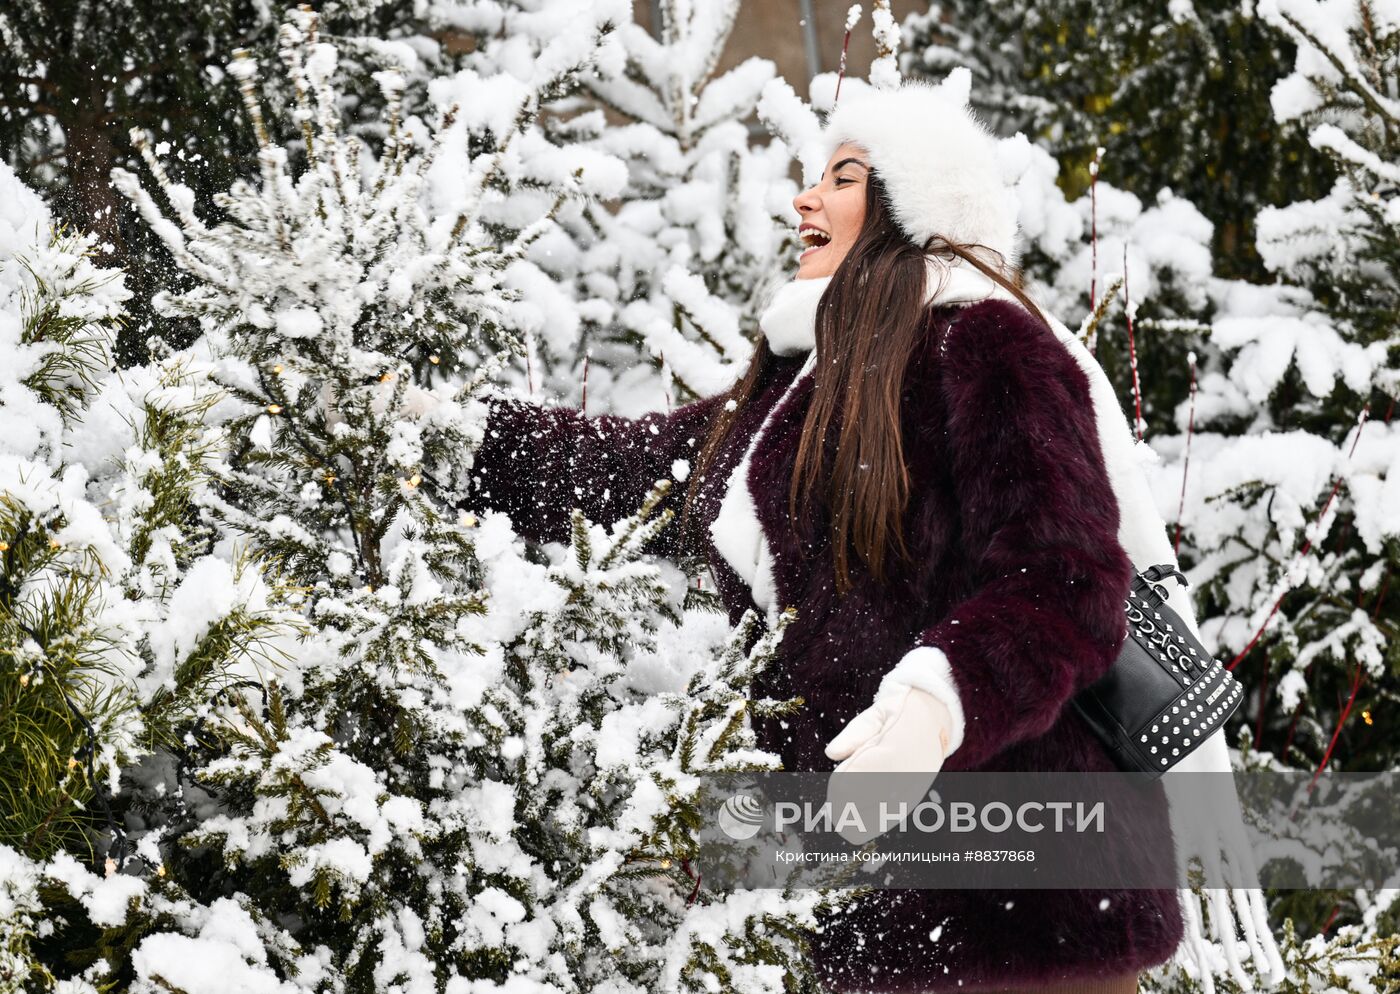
[806, 201]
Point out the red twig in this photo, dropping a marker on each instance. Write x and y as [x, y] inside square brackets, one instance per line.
[1341, 721]
[583, 405]
[1330, 917]
[665, 380]
[1094, 232]
[1186, 459]
[695, 891]
[841, 72]
[1132, 347]
[1306, 545]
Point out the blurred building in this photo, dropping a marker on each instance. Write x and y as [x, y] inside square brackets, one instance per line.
[803, 37]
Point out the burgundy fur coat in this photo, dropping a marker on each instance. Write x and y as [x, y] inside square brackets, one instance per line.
[1018, 577]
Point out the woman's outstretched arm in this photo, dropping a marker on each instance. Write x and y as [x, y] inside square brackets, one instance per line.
[1040, 526]
[538, 463]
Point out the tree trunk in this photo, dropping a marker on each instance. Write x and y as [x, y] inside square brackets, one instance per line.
[91, 154]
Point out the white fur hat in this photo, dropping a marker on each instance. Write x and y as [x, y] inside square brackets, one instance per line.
[939, 163]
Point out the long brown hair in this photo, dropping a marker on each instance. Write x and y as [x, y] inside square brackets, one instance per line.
[869, 322]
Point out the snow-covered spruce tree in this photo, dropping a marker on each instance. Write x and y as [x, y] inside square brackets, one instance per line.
[504, 43]
[114, 629]
[481, 771]
[75, 75]
[1177, 96]
[1288, 526]
[1290, 513]
[703, 225]
[59, 702]
[99, 472]
[1303, 403]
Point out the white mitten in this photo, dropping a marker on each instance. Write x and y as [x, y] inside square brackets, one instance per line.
[905, 734]
[905, 731]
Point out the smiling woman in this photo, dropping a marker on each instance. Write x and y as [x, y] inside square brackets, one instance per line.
[832, 213]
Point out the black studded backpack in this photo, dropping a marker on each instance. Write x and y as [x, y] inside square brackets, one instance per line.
[1165, 694]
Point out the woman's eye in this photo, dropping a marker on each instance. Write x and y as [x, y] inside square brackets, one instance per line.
[844, 180]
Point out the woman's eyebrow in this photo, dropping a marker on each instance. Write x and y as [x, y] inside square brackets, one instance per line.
[846, 162]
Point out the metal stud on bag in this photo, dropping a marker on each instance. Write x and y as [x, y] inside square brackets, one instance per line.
[1164, 694]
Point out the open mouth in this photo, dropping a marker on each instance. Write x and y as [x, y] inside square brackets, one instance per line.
[812, 237]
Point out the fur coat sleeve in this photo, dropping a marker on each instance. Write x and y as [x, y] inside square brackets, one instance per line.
[537, 463]
[1040, 529]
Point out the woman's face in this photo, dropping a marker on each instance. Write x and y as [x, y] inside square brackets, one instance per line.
[832, 212]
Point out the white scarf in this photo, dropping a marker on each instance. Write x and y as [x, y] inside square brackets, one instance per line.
[789, 325]
[789, 322]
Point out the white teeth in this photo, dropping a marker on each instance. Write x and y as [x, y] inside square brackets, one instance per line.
[814, 236]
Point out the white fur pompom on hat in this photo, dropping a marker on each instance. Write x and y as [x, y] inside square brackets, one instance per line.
[939, 163]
